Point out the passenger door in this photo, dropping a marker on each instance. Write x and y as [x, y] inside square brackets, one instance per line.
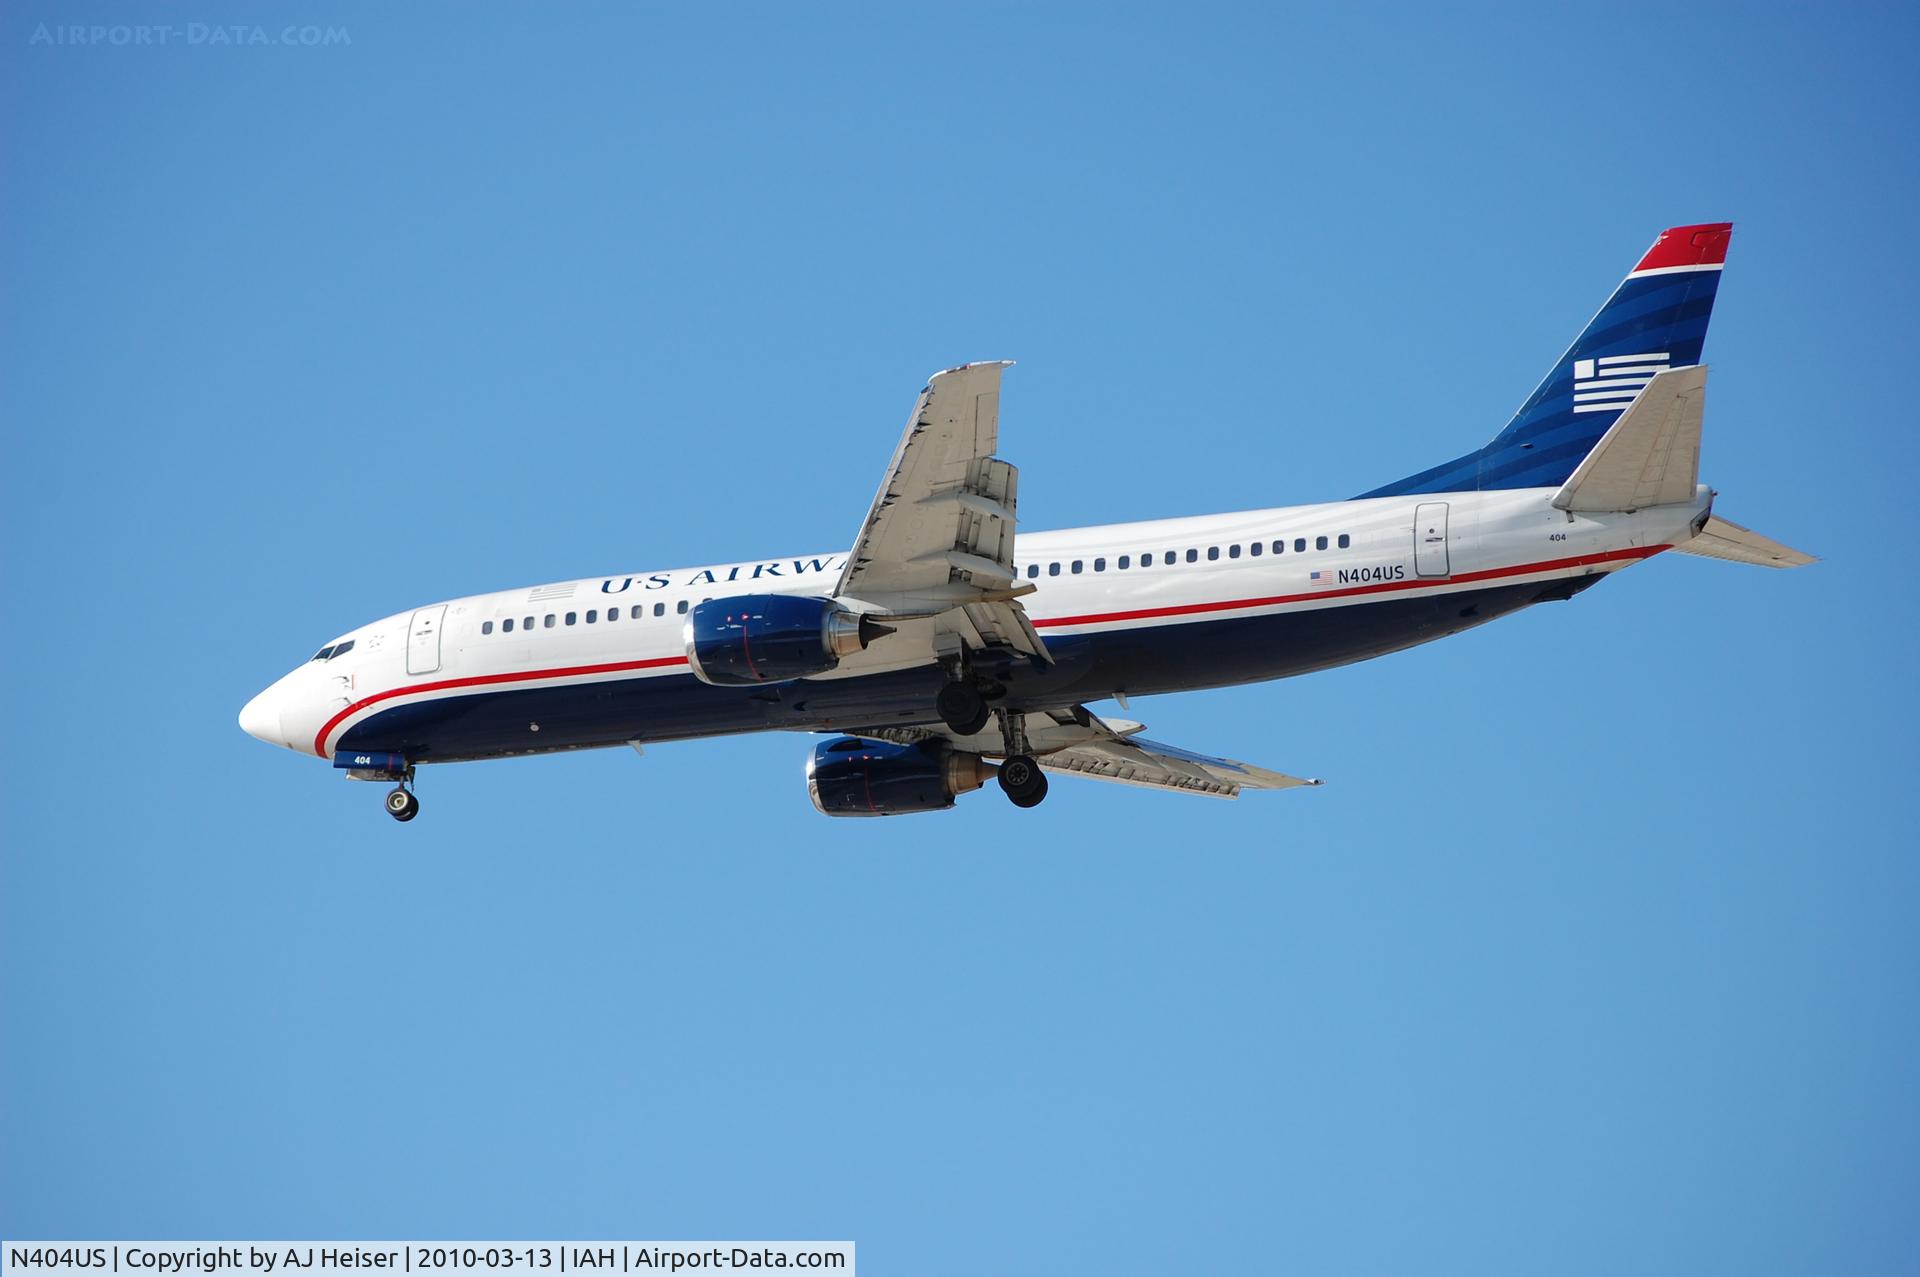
[1430, 538]
[423, 640]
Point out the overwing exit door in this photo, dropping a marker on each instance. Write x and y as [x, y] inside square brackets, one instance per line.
[1430, 538]
[423, 640]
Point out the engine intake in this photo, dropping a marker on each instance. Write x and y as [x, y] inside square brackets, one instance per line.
[772, 638]
[855, 777]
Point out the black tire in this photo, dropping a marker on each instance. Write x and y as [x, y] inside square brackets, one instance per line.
[962, 708]
[1022, 780]
[402, 806]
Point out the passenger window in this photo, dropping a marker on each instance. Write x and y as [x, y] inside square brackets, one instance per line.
[1076, 567]
[659, 609]
[1146, 560]
[572, 617]
[681, 607]
[506, 626]
[1213, 554]
[1053, 569]
[1319, 543]
[1125, 560]
[1099, 565]
[1299, 545]
[1170, 557]
[1279, 547]
[1193, 556]
[637, 611]
[1345, 540]
[593, 614]
[549, 621]
[1233, 552]
[486, 627]
[613, 614]
[527, 624]
[1033, 570]
[1254, 549]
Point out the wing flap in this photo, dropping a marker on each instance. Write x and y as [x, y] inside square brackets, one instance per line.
[938, 540]
[945, 510]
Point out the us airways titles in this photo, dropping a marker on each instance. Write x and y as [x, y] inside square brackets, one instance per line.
[783, 569]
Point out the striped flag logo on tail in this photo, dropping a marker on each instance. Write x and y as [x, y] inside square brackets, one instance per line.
[1609, 383]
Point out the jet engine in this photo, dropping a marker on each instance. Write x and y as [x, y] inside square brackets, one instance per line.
[854, 777]
[772, 638]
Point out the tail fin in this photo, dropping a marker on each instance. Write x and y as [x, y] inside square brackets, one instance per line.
[1656, 319]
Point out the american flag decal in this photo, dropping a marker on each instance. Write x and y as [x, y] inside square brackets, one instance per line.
[1319, 578]
[1609, 383]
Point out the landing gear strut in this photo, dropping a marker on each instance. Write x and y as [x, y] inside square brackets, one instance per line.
[1020, 776]
[401, 804]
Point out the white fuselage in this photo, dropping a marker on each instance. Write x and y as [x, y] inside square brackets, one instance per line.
[1152, 581]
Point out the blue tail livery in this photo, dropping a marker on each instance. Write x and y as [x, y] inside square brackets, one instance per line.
[1655, 320]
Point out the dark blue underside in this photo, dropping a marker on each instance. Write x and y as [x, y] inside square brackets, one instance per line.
[1169, 658]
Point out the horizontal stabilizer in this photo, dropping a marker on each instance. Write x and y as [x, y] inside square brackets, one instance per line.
[1651, 456]
[1724, 539]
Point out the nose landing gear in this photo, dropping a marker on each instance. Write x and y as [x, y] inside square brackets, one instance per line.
[393, 767]
[401, 804]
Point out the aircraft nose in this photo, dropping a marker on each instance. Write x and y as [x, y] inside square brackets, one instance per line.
[260, 718]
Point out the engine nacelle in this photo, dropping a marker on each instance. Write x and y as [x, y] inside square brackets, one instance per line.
[772, 638]
[854, 777]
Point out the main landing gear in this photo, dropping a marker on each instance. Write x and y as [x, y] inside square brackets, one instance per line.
[1021, 779]
[962, 708]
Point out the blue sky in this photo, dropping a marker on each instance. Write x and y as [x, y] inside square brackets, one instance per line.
[1596, 953]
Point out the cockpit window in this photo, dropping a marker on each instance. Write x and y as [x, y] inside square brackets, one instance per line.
[342, 649]
[323, 653]
[332, 650]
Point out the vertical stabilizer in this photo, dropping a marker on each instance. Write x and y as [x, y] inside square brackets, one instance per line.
[1655, 320]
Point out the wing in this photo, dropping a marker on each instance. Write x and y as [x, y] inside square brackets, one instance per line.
[939, 535]
[1136, 761]
[1078, 742]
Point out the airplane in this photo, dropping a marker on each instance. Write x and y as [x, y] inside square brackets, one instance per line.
[942, 650]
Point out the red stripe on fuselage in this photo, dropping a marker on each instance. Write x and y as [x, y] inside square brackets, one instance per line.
[1234, 605]
[1092, 618]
